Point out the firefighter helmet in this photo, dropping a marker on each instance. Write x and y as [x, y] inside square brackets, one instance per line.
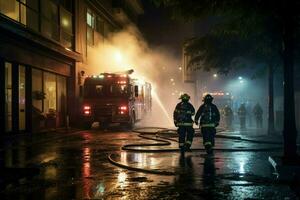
[185, 97]
[208, 98]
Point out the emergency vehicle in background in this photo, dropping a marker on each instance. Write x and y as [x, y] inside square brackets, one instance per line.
[221, 99]
[115, 98]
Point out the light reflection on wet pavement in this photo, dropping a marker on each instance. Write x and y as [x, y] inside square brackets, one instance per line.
[76, 167]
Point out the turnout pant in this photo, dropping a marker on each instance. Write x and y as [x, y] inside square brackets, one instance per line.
[208, 134]
[186, 135]
[259, 122]
[243, 122]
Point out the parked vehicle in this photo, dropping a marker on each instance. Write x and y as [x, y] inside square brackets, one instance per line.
[115, 98]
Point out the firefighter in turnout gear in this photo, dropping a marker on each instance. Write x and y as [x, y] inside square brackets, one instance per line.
[209, 119]
[228, 114]
[183, 120]
[242, 115]
[258, 112]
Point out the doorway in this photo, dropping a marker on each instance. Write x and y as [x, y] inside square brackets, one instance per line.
[15, 97]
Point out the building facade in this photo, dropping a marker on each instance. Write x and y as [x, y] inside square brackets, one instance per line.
[44, 48]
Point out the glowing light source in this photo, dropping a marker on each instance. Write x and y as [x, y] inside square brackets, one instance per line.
[180, 68]
[118, 57]
[172, 79]
[240, 78]
[123, 108]
[87, 107]
[215, 75]
[242, 167]
[65, 22]
[122, 178]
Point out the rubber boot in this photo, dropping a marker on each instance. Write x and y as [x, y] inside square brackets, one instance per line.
[188, 148]
[182, 150]
[208, 148]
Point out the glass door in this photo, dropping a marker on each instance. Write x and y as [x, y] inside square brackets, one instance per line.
[8, 97]
[22, 98]
[61, 100]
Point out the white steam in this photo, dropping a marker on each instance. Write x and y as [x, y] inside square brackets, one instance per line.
[128, 50]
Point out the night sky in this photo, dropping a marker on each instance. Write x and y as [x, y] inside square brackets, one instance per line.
[160, 30]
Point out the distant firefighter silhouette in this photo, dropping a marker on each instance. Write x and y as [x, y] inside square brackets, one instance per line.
[242, 116]
[258, 113]
[228, 115]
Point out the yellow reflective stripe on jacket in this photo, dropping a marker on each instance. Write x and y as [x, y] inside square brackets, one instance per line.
[185, 124]
[208, 125]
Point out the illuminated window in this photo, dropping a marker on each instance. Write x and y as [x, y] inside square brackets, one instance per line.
[50, 91]
[8, 96]
[10, 8]
[66, 27]
[90, 19]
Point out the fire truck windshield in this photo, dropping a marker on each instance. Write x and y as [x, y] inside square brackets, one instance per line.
[105, 90]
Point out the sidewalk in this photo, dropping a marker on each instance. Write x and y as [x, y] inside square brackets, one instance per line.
[11, 140]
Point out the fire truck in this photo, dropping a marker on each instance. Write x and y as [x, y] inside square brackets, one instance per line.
[115, 98]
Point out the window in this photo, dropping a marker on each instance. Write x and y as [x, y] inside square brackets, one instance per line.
[61, 100]
[100, 25]
[50, 26]
[90, 20]
[10, 8]
[107, 90]
[24, 11]
[8, 96]
[66, 25]
[55, 17]
[67, 4]
[50, 93]
[22, 98]
[37, 90]
[29, 14]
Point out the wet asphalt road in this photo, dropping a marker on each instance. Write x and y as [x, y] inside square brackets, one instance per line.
[76, 166]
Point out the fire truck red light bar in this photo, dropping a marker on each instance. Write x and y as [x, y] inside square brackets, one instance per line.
[123, 108]
[86, 107]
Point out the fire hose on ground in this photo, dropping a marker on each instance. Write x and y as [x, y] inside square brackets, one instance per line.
[156, 134]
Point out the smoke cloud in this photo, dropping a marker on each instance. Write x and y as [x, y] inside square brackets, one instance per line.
[128, 50]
